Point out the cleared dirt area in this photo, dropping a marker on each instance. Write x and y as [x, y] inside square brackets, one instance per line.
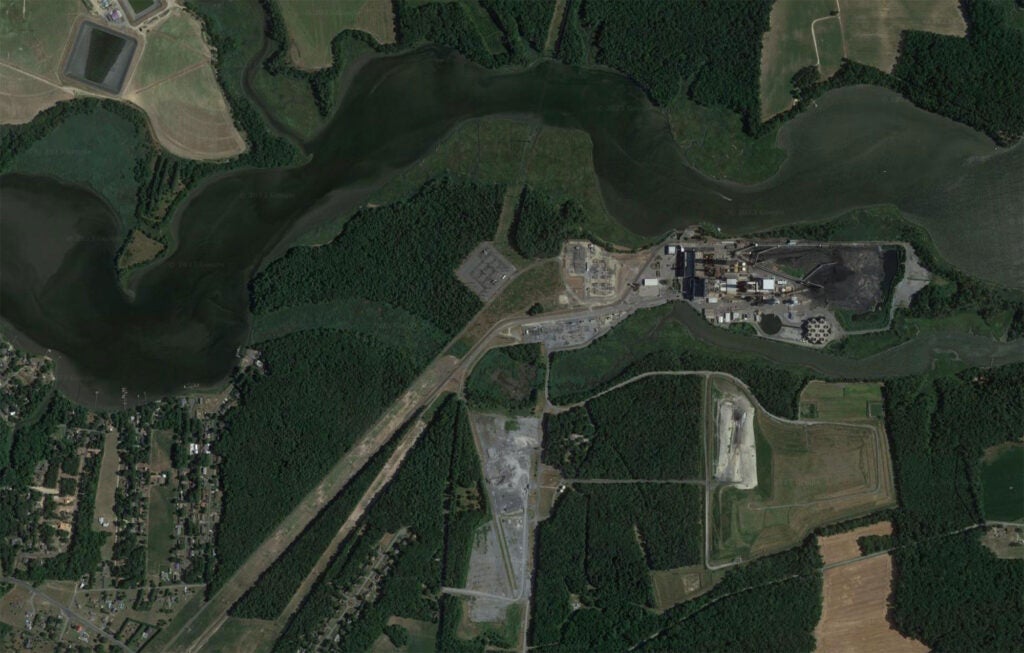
[837, 548]
[872, 28]
[853, 615]
[313, 24]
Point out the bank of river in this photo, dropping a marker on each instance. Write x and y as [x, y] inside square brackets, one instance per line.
[188, 315]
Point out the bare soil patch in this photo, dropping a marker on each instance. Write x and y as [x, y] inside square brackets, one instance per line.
[853, 615]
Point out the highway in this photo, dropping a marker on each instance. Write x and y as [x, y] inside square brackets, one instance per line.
[444, 374]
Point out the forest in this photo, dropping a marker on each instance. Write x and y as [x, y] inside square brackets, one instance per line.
[949, 591]
[540, 227]
[587, 550]
[651, 340]
[420, 502]
[648, 429]
[507, 379]
[267, 598]
[282, 432]
[402, 254]
[710, 51]
[977, 80]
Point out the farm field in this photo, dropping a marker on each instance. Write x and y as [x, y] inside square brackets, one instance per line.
[1002, 483]
[788, 46]
[843, 546]
[175, 84]
[872, 29]
[841, 401]
[854, 607]
[808, 475]
[312, 24]
[33, 38]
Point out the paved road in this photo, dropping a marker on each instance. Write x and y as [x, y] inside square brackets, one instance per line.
[431, 384]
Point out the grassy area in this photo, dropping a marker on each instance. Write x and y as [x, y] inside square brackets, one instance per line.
[71, 150]
[554, 161]
[1002, 483]
[176, 86]
[840, 401]
[105, 491]
[817, 474]
[33, 35]
[393, 326]
[674, 586]
[540, 284]
[290, 102]
[313, 25]
[160, 529]
[828, 34]
[241, 636]
[138, 248]
[173, 45]
[713, 142]
[788, 46]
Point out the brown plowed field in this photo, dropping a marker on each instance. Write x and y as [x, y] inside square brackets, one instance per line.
[836, 548]
[853, 615]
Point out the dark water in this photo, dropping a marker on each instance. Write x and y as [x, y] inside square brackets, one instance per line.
[862, 146]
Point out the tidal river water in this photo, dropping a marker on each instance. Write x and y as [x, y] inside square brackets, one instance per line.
[188, 313]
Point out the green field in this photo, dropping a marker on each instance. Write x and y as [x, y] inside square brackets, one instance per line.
[829, 36]
[33, 35]
[841, 401]
[1002, 483]
[170, 47]
[160, 529]
[788, 47]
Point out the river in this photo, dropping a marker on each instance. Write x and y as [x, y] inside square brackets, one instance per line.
[188, 313]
